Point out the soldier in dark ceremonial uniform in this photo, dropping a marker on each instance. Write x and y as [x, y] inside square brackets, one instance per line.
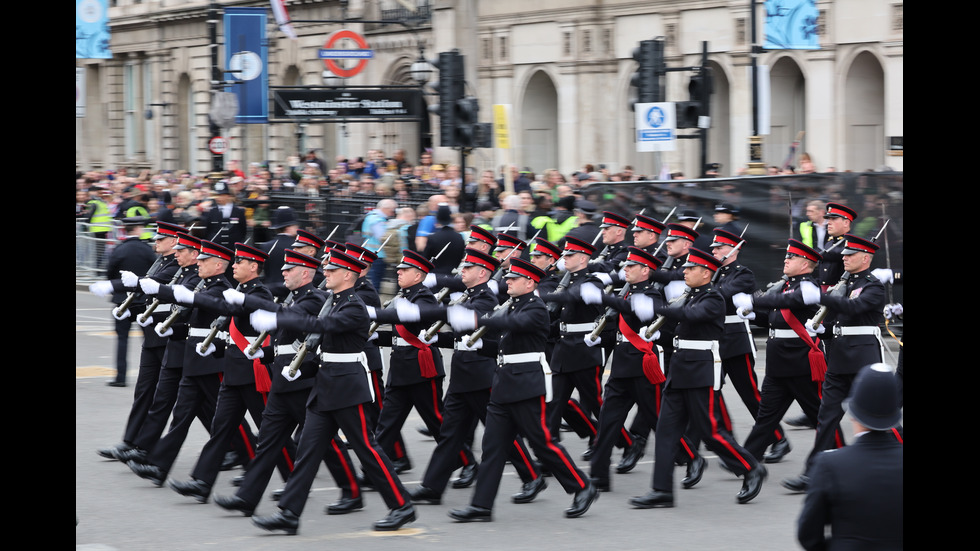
[284, 220]
[338, 399]
[285, 410]
[839, 218]
[163, 270]
[690, 396]
[521, 390]
[853, 341]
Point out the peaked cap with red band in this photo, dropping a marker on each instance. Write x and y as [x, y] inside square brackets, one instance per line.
[697, 257]
[479, 234]
[798, 248]
[364, 255]
[166, 229]
[837, 210]
[678, 231]
[645, 223]
[855, 244]
[473, 257]
[522, 268]
[723, 237]
[341, 260]
[307, 239]
[636, 255]
[544, 247]
[210, 248]
[508, 241]
[293, 259]
[575, 245]
[251, 253]
[187, 241]
[610, 219]
[412, 259]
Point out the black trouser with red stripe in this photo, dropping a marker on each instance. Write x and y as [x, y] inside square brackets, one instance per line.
[741, 372]
[461, 408]
[620, 396]
[151, 360]
[284, 412]
[697, 410]
[503, 424]
[318, 437]
[778, 394]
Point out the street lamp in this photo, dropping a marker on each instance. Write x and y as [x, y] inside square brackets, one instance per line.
[421, 70]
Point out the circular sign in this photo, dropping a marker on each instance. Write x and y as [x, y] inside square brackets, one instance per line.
[218, 145]
[330, 53]
[245, 65]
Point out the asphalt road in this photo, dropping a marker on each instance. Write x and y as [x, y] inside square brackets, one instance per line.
[117, 510]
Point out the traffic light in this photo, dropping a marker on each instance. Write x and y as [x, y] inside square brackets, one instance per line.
[483, 135]
[650, 57]
[450, 90]
[465, 120]
[690, 113]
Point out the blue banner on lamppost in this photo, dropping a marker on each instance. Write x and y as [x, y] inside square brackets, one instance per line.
[92, 30]
[246, 62]
[791, 25]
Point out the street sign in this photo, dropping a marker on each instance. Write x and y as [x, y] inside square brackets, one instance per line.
[330, 53]
[656, 128]
[400, 103]
[218, 145]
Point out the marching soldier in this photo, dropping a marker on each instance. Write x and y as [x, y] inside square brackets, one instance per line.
[338, 400]
[795, 360]
[737, 346]
[521, 390]
[692, 385]
[857, 303]
[416, 371]
[469, 387]
[839, 218]
[198, 390]
[283, 219]
[285, 410]
[164, 270]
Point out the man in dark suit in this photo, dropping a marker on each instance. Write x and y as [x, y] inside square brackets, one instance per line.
[858, 490]
[285, 222]
[225, 221]
[445, 237]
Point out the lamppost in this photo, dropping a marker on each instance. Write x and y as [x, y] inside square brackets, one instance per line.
[421, 70]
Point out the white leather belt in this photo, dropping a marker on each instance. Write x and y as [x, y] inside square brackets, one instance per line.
[687, 344]
[360, 357]
[733, 319]
[199, 332]
[285, 350]
[577, 327]
[843, 331]
[398, 341]
[526, 357]
[783, 334]
[161, 307]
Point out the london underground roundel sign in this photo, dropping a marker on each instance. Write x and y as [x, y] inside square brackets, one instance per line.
[333, 51]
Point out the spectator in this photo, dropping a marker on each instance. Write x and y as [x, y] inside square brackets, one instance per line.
[373, 230]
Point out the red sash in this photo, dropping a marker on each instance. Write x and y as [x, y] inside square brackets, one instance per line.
[262, 382]
[651, 364]
[818, 362]
[427, 366]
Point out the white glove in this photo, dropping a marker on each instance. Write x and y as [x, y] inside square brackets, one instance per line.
[183, 295]
[129, 279]
[145, 323]
[893, 311]
[101, 288]
[811, 293]
[591, 294]
[150, 286]
[159, 330]
[372, 313]
[462, 344]
[285, 373]
[461, 318]
[430, 281]
[233, 296]
[606, 279]
[621, 274]
[589, 341]
[745, 314]
[263, 320]
[407, 311]
[643, 334]
[642, 306]
[115, 313]
[373, 336]
[884, 275]
[674, 289]
[258, 354]
[742, 301]
[560, 265]
[204, 354]
[820, 330]
[494, 287]
[434, 338]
